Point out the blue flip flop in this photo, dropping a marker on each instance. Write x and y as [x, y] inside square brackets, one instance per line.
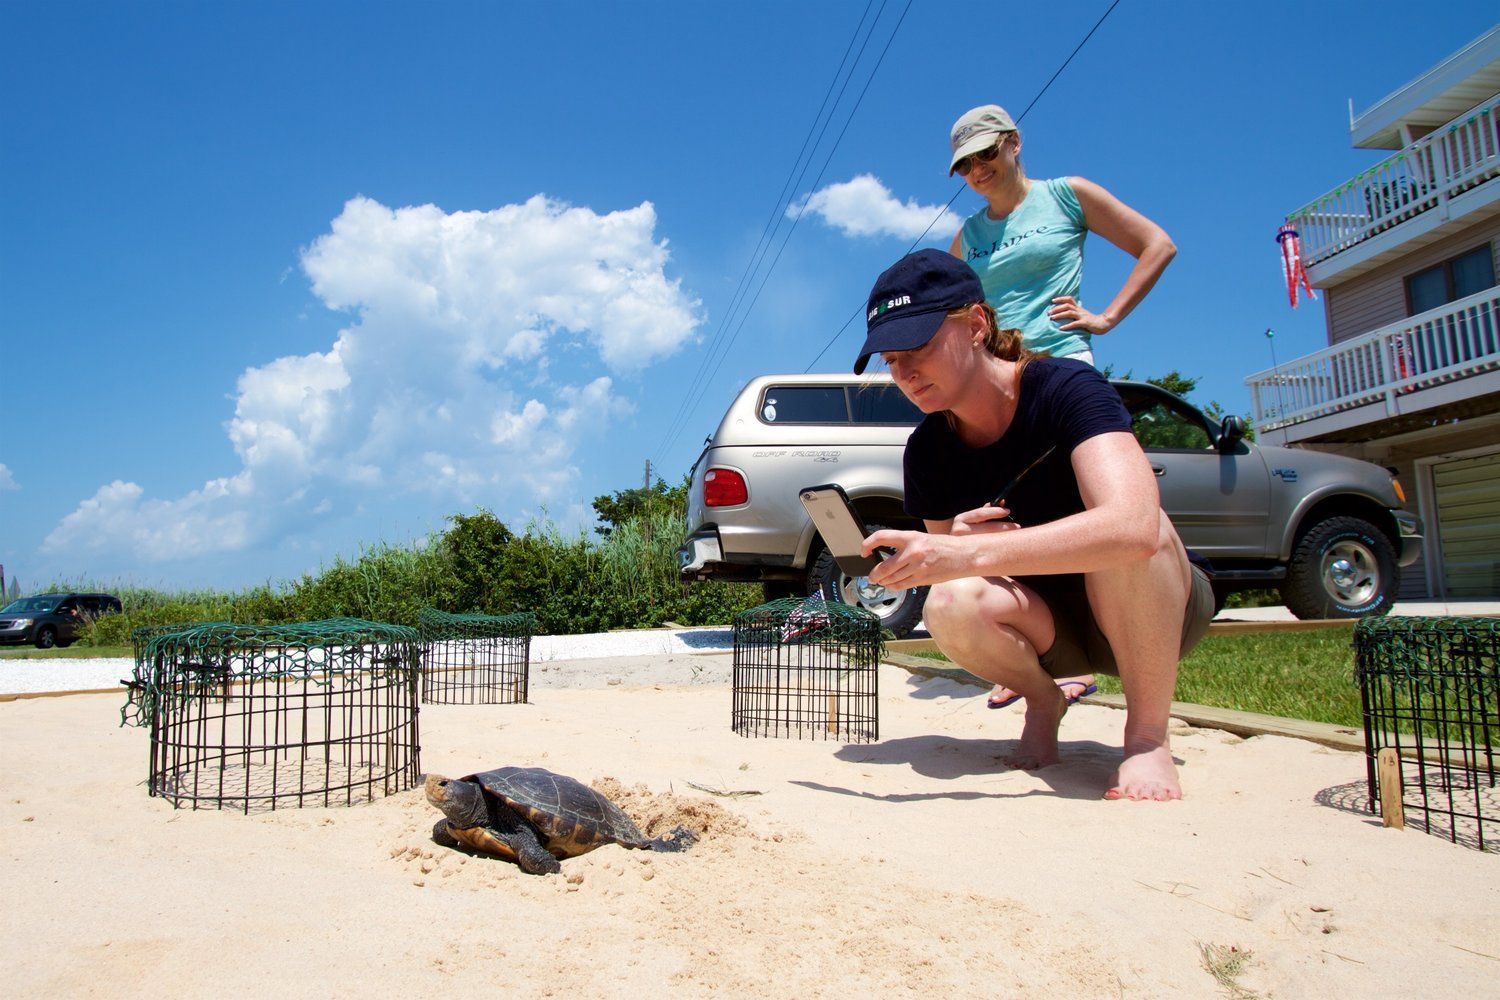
[1001, 704]
[1073, 699]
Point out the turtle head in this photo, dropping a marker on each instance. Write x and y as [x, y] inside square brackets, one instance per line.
[461, 801]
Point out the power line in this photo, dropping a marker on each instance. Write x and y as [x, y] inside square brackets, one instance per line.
[810, 143]
[698, 391]
[832, 340]
[860, 308]
[1065, 62]
[746, 315]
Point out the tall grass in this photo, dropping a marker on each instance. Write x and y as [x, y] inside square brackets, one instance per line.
[573, 583]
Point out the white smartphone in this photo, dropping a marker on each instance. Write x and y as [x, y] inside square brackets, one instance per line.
[842, 530]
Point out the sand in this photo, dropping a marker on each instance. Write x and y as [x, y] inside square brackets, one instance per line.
[919, 865]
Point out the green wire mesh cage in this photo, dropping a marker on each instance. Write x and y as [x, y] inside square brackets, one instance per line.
[476, 659]
[807, 669]
[254, 717]
[1430, 688]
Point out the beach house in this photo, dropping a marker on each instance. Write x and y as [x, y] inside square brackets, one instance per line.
[1405, 257]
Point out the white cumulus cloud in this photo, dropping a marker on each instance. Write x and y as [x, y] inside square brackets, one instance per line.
[7, 478]
[215, 518]
[866, 207]
[444, 382]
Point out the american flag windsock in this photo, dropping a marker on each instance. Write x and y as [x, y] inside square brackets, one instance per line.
[808, 617]
[1291, 264]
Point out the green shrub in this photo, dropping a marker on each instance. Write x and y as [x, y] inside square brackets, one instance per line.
[572, 583]
[386, 583]
[1262, 598]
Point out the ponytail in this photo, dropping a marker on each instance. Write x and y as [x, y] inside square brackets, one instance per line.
[1005, 343]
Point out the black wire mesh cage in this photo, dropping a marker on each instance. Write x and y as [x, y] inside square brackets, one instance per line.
[256, 717]
[1430, 689]
[476, 659]
[807, 669]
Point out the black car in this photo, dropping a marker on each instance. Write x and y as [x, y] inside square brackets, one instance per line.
[48, 620]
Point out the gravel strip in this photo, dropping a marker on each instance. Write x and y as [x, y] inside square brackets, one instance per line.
[27, 676]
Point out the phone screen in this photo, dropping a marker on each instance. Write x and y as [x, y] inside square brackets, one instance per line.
[843, 532]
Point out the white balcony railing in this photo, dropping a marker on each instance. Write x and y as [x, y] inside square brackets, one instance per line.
[1459, 339]
[1425, 175]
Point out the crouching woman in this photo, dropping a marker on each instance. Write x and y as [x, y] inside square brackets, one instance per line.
[1046, 548]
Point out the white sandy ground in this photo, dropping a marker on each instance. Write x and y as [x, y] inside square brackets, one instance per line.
[916, 866]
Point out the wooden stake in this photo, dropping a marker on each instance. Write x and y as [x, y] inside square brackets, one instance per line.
[1388, 776]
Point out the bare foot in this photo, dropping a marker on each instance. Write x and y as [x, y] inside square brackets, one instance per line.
[1147, 774]
[1039, 735]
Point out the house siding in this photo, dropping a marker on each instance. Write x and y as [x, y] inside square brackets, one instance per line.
[1378, 298]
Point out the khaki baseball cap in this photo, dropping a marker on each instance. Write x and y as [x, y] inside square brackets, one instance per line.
[977, 130]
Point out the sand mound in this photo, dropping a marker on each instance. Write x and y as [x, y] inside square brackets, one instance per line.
[658, 813]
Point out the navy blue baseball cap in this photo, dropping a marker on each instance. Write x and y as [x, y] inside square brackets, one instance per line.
[911, 299]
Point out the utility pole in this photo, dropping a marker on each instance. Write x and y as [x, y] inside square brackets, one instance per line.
[646, 484]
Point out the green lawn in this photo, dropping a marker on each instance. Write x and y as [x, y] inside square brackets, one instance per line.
[1296, 675]
[71, 653]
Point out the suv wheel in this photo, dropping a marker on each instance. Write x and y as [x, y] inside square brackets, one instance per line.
[46, 637]
[1344, 567]
[898, 610]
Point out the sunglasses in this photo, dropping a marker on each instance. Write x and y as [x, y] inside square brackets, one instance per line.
[962, 167]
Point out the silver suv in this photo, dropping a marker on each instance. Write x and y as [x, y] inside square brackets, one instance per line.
[1328, 531]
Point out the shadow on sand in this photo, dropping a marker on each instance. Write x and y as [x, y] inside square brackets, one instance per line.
[1084, 772]
[721, 639]
[930, 687]
[1476, 830]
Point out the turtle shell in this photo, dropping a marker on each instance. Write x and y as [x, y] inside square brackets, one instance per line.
[572, 818]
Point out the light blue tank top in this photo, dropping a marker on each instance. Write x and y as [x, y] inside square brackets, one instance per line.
[1027, 259]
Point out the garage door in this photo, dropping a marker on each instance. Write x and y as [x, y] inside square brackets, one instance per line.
[1468, 503]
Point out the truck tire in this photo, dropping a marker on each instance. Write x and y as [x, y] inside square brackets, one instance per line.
[1343, 567]
[899, 611]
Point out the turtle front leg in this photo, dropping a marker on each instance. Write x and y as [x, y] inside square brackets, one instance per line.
[443, 837]
[521, 838]
[533, 857]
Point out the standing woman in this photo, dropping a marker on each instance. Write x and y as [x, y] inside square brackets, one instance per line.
[1027, 246]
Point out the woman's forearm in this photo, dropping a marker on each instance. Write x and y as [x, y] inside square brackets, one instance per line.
[1142, 278]
[1101, 538]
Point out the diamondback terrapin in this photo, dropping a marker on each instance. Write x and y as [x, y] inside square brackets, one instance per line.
[534, 817]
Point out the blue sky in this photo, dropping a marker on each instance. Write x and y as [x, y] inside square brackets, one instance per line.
[280, 279]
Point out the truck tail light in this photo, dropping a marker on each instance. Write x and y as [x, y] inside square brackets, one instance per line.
[724, 488]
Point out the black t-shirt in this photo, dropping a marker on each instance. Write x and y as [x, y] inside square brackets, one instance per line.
[1062, 404]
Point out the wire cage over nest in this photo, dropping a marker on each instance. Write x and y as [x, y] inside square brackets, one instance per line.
[807, 669]
[1430, 688]
[256, 717]
[476, 659]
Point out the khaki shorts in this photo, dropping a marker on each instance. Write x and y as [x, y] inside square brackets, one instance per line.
[1080, 646]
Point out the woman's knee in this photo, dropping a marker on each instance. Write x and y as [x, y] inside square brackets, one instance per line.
[964, 605]
[956, 602]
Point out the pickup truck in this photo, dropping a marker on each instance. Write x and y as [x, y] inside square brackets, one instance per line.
[1326, 530]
